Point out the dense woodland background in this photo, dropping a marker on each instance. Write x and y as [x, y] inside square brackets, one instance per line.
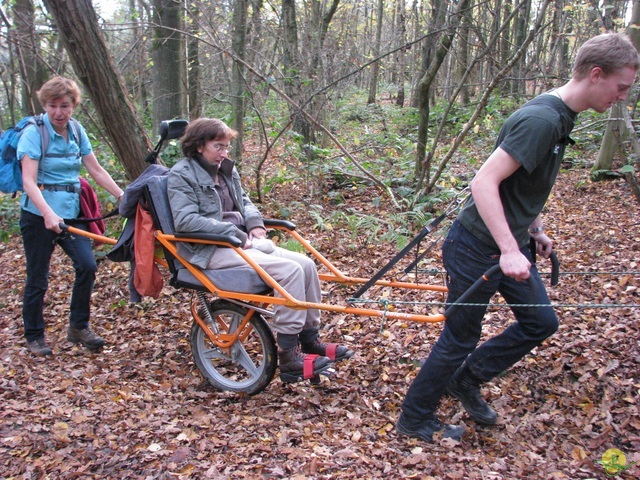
[361, 121]
[280, 72]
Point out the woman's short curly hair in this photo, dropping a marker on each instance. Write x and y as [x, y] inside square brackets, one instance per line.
[59, 87]
[203, 130]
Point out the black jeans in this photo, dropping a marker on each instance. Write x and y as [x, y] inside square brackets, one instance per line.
[466, 259]
[39, 243]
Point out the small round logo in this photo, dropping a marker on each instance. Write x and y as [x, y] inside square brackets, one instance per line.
[614, 461]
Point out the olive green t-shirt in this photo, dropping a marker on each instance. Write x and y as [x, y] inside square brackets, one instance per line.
[536, 137]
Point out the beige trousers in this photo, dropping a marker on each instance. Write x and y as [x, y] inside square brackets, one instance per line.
[295, 272]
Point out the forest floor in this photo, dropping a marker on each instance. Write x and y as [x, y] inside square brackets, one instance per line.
[140, 410]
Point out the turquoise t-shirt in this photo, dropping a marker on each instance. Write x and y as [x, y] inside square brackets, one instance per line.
[61, 169]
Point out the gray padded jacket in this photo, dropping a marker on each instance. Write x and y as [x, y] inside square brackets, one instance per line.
[196, 206]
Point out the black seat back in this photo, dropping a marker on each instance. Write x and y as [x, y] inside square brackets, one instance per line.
[157, 199]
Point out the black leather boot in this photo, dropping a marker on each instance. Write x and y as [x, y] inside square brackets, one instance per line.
[426, 428]
[294, 365]
[86, 336]
[465, 386]
[310, 343]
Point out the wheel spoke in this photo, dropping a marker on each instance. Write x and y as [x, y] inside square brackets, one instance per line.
[243, 359]
[215, 353]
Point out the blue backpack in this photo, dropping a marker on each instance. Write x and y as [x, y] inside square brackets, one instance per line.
[10, 166]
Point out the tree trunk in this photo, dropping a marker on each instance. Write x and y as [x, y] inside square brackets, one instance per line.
[400, 54]
[321, 20]
[437, 20]
[559, 42]
[27, 47]
[496, 25]
[168, 70]
[78, 27]
[611, 141]
[609, 14]
[609, 144]
[238, 86]
[463, 43]
[256, 45]
[137, 81]
[193, 68]
[375, 68]
[521, 26]
[633, 30]
[505, 44]
[292, 70]
[424, 85]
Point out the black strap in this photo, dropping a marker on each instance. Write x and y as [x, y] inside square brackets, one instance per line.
[417, 239]
[420, 256]
[83, 220]
[555, 263]
[60, 188]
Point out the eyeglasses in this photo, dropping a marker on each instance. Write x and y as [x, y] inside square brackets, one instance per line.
[218, 147]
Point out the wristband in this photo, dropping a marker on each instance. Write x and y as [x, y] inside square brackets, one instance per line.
[536, 229]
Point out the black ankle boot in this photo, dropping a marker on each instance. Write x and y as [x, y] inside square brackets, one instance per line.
[294, 365]
[310, 343]
[465, 386]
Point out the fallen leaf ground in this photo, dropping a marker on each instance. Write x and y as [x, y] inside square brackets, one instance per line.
[140, 410]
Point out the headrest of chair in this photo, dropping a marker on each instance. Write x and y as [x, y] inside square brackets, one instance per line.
[159, 203]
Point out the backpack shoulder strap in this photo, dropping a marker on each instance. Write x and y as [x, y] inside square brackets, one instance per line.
[74, 125]
[75, 128]
[44, 134]
[38, 122]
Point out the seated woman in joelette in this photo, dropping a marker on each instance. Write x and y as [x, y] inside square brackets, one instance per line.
[206, 196]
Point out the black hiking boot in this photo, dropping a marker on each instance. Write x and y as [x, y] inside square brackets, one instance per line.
[39, 347]
[295, 366]
[425, 430]
[465, 386]
[310, 343]
[85, 336]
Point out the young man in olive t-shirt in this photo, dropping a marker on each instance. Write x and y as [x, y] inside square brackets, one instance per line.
[507, 196]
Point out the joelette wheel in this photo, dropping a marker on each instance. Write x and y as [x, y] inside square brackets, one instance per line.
[249, 364]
